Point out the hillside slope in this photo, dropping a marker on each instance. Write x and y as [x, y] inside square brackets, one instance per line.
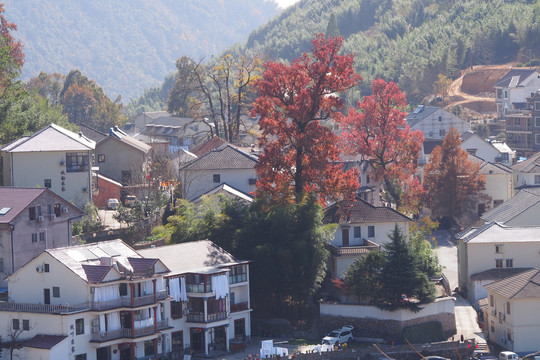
[128, 46]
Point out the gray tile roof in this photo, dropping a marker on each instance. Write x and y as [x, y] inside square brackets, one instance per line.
[498, 233]
[514, 78]
[52, 138]
[497, 274]
[227, 189]
[198, 256]
[224, 158]
[208, 146]
[467, 135]
[361, 212]
[419, 114]
[44, 341]
[91, 133]
[489, 168]
[18, 199]
[531, 165]
[520, 286]
[119, 135]
[518, 204]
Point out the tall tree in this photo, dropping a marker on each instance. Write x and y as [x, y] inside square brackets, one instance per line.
[450, 178]
[181, 101]
[11, 52]
[300, 154]
[377, 130]
[364, 275]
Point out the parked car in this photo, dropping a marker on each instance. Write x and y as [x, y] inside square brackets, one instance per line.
[342, 335]
[113, 204]
[508, 355]
[130, 200]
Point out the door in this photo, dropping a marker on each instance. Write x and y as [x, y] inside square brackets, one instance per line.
[345, 237]
[197, 339]
[103, 353]
[47, 296]
[125, 354]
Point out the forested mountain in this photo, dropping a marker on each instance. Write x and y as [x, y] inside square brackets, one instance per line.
[128, 46]
[408, 41]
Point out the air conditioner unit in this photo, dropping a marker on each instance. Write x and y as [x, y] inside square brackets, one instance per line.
[53, 216]
[186, 311]
[40, 218]
[84, 189]
[39, 269]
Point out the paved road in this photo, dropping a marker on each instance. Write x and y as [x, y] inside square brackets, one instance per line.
[447, 252]
[108, 220]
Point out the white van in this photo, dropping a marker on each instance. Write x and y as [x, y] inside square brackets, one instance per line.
[508, 355]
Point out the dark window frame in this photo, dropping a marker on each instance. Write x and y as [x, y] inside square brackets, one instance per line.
[77, 162]
[79, 326]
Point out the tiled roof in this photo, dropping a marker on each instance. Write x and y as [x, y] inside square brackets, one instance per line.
[156, 114]
[168, 120]
[198, 256]
[498, 233]
[44, 341]
[514, 78]
[520, 286]
[95, 273]
[361, 212]
[224, 158]
[141, 265]
[52, 138]
[225, 188]
[18, 199]
[91, 133]
[429, 145]
[519, 203]
[488, 168]
[467, 135]
[531, 165]
[119, 135]
[208, 146]
[419, 114]
[497, 274]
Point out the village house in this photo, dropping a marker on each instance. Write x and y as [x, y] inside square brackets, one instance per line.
[522, 209]
[513, 88]
[526, 173]
[435, 122]
[491, 151]
[53, 158]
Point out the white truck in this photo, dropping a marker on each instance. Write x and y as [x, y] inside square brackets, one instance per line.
[508, 355]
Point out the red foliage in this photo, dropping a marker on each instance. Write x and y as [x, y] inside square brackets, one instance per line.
[15, 53]
[300, 154]
[378, 131]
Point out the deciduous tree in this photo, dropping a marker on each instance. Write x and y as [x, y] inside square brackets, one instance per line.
[377, 130]
[11, 52]
[301, 155]
[450, 178]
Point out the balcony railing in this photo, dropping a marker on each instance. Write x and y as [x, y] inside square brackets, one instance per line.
[199, 317]
[126, 301]
[239, 307]
[353, 250]
[199, 288]
[41, 308]
[129, 333]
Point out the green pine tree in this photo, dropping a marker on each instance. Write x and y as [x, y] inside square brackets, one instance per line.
[332, 29]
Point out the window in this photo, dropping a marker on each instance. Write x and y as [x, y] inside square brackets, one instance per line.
[80, 357]
[491, 300]
[509, 263]
[46, 268]
[238, 274]
[216, 178]
[537, 139]
[498, 249]
[505, 94]
[1, 264]
[26, 325]
[101, 158]
[56, 291]
[537, 121]
[126, 176]
[77, 162]
[38, 211]
[32, 213]
[537, 105]
[149, 348]
[42, 236]
[498, 263]
[176, 309]
[34, 237]
[509, 334]
[497, 202]
[537, 179]
[239, 328]
[505, 157]
[442, 132]
[357, 232]
[15, 324]
[345, 236]
[440, 118]
[47, 183]
[57, 210]
[123, 289]
[252, 181]
[177, 339]
[79, 326]
[472, 151]
[371, 231]
[368, 180]
[508, 308]
[492, 326]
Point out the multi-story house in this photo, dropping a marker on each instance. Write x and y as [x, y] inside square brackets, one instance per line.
[491, 151]
[53, 158]
[107, 301]
[435, 122]
[514, 88]
[526, 173]
[522, 209]
[212, 309]
[362, 227]
[32, 220]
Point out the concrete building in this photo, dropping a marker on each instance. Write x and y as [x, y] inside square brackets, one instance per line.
[435, 122]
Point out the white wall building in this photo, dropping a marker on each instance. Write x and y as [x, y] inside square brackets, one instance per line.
[435, 122]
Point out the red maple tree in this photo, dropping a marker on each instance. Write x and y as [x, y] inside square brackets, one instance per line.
[11, 55]
[377, 130]
[299, 153]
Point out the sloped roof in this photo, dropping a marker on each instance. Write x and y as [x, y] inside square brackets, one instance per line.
[514, 78]
[227, 189]
[155, 114]
[518, 204]
[44, 341]
[497, 233]
[119, 135]
[489, 168]
[168, 120]
[224, 158]
[208, 146]
[429, 145]
[497, 274]
[91, 133]
[18, 199]
[420, 113]
[531, 165]
[198, 256]
[361, 212]
[467, 135]
[52, 138]
[520, 286]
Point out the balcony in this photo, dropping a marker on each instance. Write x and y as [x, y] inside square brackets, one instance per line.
[526, 128]
[43, 309]
[126, 301]
[212, 317]
[353, 250]
[129, 333]
[239, 307]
